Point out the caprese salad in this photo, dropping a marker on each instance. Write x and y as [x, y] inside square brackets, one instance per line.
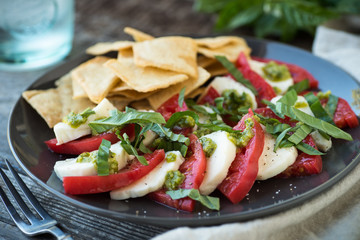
[264, 119]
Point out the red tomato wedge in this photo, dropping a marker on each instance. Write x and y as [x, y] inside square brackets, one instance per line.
[298, 73]
[171, 106]
[87, 143]
[194, 170]
[209, 97]
[265, 91]
[243, 170]
[344, 116]
[99, 184]
[304, 164]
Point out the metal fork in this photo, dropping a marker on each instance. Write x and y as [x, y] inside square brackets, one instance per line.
[37, 226]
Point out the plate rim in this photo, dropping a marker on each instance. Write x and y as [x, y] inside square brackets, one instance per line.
[174, 221]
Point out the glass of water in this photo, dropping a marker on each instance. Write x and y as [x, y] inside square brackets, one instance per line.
[35, 33]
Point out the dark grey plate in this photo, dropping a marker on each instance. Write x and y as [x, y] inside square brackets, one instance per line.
[27, 133]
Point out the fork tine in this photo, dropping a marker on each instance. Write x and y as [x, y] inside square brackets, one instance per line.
[24, 208]
[11, 209]
[34, 202]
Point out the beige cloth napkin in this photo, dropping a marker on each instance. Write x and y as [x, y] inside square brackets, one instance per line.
[334, 214]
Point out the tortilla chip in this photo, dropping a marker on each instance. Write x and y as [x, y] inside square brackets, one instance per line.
[105, 47]
[216, 69]
[230, 51]
[190, 85]
[141, 105]
[143, 79]
[95, 79]
[126, 53]
[137, 35]
[134, 95]
[196, 92]
[217, 42]
[47, 103]
[203, 61]
[77, 90]
[120, 86]
[64, 87]
[119, 102]
[176, 54]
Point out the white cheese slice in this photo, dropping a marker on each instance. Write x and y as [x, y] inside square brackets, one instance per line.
[272, 163]
[283, 86]
[217, 165]
[65, 133]
[151, 182]
[220, 84]
[70, 167]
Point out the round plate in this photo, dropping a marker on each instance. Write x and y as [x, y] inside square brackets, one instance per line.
[27, 133]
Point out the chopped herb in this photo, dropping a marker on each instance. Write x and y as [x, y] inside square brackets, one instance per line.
[209, 202]
[300, 86]
[181, 97]
[102, 160]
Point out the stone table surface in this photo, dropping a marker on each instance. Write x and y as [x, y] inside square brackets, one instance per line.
[102, 21]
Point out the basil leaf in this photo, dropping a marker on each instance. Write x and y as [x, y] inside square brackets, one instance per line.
[289, 98]
[166, 132]
[236, 73]
[332, 105]
[280, 138]
[102, 160]
[208, 201]
[130, 115]
[285, 109]
[285, 143]
[125, 143]
[273, 129]
[317, 109]
[181, 97]
[300, 134]
[178, 115]
[300, 86]
[267, 120]
[321, 125]
[273, 108]
[311, 98]
[306, 148]
[167, 145]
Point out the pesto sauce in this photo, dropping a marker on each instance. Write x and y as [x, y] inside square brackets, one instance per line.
[91, 157]
[276, 72]
[185, 121]
[209, 146]
[234, 102]
[323, 95]
[242, 139]
[202, 131]
[300, 104]
[170, 157]
[76, 119]
[174, 179]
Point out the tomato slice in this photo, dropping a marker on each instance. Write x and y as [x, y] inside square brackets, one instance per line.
[87, 143]
[171, 106]
[194, 170]
[243, 170]
[344, 116]
[304, 164]
[265, 91]
[97, 184]
[297, 73]
[210, 96]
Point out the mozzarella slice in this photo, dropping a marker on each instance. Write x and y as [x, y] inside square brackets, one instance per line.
[70, 167]
[220, 84]
[217, 165]
[283, 86]
[272, 163]
[321, 143]
[149, 183]
[65, 133]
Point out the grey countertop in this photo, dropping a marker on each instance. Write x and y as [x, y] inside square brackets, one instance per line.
[103, 21]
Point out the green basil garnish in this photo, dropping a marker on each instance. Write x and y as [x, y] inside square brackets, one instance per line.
[209, 202]
[181, 97]
[300, 86]
[102, 160]
[332, 105]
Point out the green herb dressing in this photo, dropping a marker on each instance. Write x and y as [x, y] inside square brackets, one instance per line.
[185, 121]
[276, 72]
[209, 146]
[242, 139]
[234, 101]
[174, 179]
[170, 157]
[91, 157]
[76, 119]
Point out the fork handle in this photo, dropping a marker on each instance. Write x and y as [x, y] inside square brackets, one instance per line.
[58, 233]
